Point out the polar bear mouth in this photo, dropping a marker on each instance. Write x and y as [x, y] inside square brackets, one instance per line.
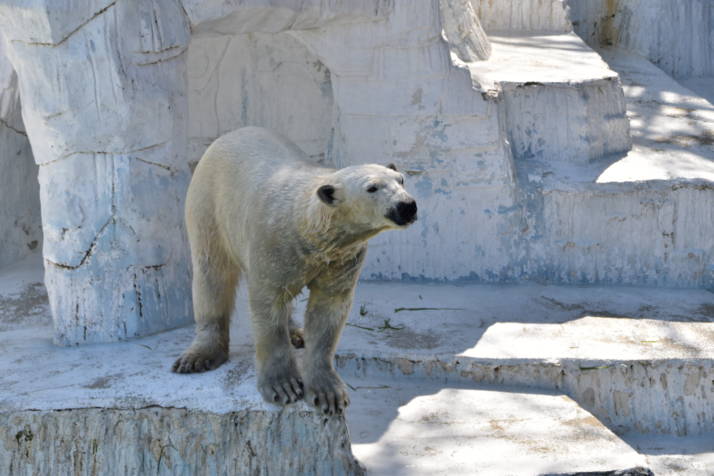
[405, 213]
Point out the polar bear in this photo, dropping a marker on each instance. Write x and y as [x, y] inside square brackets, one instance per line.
[257, 208]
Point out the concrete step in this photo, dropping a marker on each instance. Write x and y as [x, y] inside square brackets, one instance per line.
[645, 217]
[117, 408]
[637, 358]
[415, 427]
[663, 114]
[668, 455]
[561, 102]
[445, 353]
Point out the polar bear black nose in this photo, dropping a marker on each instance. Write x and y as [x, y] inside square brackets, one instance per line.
[407, 210]
[403, 213]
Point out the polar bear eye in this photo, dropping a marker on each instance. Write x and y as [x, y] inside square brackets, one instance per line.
[400, 180]
[372, 188]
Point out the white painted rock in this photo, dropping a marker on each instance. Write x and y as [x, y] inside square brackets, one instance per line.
[20, 228]
[174, 441]
[105, 109]
[118, 108]
[462, 30]
[677, 36]
[543, 16]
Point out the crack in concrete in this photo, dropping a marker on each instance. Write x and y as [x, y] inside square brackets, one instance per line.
[163, 60]
[166, 167]
[89, 251]
[105, 152]
[53, 115]
[153, 52]
[154, 267]
[139, 301]
[113, 219]
[81, 25]
[187, 18]
[18, 131]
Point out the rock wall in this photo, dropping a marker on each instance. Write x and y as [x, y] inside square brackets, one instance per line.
[676, 36]
[399, 98]
[20, 227]
[260, 79]
[120, 102]
[105, 108]
[395, 97]
[523, 15]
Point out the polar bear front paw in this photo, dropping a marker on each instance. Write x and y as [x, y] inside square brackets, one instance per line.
[199, 360]
[327, 393]
[281, 383]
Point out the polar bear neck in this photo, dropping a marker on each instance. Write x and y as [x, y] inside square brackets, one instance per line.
[323, 229]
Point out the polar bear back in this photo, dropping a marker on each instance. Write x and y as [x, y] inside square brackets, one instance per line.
[246, 187]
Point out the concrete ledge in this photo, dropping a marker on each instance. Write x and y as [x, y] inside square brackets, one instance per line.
[173, 441]
[561, 100]
[117, 409]
[638, 359]
[641, 218]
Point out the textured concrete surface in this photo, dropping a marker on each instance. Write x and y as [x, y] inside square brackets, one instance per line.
[104, 108]
[523, 15]
[671, 455]
[671, 126]
[642, 217]
[173, 441]
[503, 159]
[20, 224]
[676, 36]
[463, 31]
[429, 360]
[701, 85]
[411, 427]
[637, 358]
[252, 79]
[561, 101]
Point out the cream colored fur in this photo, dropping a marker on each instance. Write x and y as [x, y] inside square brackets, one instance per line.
[253, 210]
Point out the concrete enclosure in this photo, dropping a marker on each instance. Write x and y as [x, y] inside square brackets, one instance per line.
[551, 312]
[505, 131]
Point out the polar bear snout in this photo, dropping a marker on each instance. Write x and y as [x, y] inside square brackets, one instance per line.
[404, 213]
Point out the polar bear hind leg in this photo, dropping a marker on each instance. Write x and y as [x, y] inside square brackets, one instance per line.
[215, 278]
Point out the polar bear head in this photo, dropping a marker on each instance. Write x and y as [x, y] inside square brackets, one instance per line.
[368, 197]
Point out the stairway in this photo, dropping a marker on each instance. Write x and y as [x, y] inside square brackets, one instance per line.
[612, 157]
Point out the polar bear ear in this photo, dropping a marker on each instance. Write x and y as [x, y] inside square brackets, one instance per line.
[328, 194]
[392, 166]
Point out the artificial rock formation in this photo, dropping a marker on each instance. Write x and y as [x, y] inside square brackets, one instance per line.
[104, 98]
[20, 229]
[683, 45]
[501, 117]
